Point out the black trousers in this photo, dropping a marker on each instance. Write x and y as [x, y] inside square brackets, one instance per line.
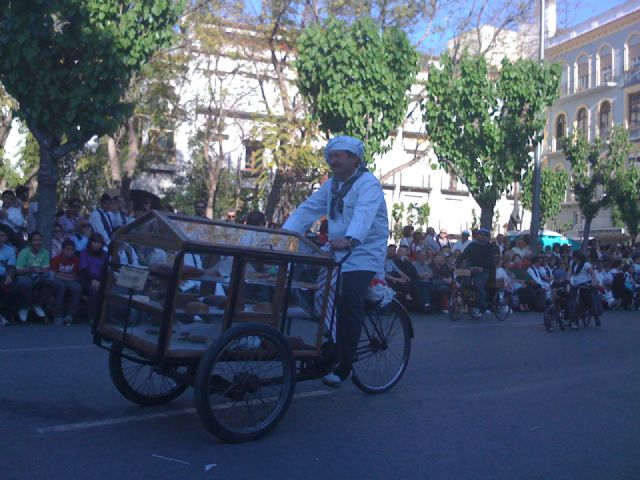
[350, 314]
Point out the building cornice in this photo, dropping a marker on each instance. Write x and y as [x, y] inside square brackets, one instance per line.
[591, 35]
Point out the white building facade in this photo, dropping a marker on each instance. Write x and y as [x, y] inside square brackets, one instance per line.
[600, 88]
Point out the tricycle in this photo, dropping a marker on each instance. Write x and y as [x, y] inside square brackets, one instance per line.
[239, 313]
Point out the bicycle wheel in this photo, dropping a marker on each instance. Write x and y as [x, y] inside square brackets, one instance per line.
[562, 322]
[138, 381]
[245, 382]
[384, 348]
[456, 305]
[501, 305]
[550, 319]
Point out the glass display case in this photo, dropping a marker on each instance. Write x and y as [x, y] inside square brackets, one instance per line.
[174, 283]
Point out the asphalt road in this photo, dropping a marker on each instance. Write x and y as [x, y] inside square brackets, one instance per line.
[480, 400]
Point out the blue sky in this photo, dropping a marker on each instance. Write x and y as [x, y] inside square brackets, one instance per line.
[591, 8]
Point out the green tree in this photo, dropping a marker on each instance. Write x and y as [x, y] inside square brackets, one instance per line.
[594, 168]
[397, 215]
[424, 211]
[68, 63]
[553, 190]
[355, 79]
[626, 199]
[484, 126]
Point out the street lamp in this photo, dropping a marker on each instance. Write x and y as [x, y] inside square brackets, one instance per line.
[535, 194]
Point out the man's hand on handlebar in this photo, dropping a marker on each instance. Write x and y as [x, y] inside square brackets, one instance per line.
[341, 243]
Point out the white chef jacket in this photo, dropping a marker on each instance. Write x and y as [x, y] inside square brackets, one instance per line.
[364, 218]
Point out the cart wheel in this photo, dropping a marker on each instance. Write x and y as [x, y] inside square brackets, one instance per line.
[137, 380]
[245, 382]
[502, 305]
[383, 351]
[456, 305]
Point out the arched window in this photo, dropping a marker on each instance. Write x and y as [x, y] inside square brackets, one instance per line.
[583, 73]
[604, 120]
[581, 122]
[633, 52]
[606, 65]
[561, 129]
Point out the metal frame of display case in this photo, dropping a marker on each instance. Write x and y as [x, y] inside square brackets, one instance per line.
[159, 353]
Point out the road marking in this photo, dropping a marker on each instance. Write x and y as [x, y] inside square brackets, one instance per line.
[45, 349]
[170, 459]
[71, 427]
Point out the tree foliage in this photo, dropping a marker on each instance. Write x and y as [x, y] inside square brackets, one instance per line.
[594, 169]
[483, 126]
[625, 192]
[355, 79]
[553, 190]
[67, 63]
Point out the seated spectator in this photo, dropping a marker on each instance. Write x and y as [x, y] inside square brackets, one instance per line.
[407, 236]
[56, 240]
[463, 243]
[256, 219]
[32, 277]
[417, 291]
[82, 234]
[425, 277]
[7, 273]
[443, 239]
[70, 218]
[200, 208]
[12, 220]
[522, 247]
[92, 262]
[66, 268]
[430, 240]
[442, 275]
[396, 278]
[417, 244]
[100, 221]
[118, 214]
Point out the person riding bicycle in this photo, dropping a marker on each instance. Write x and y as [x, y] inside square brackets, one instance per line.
[480, 257]
[353, 201]
[582, 275]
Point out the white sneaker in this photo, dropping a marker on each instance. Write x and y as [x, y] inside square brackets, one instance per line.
[3, 321]
[39, 311]
[332, 380]
[23, 314]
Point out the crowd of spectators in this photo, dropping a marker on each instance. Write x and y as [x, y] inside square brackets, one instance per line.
[62, 283]
[58, 284]
[421, 269]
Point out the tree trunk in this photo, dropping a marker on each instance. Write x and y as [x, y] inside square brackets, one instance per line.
[215, 167]
[585, 235]
[114, 162]
[47, 183]
[274, 195]
[132, 161]
[486, 215]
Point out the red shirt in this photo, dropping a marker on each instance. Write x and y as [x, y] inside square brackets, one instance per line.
[67, 268]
